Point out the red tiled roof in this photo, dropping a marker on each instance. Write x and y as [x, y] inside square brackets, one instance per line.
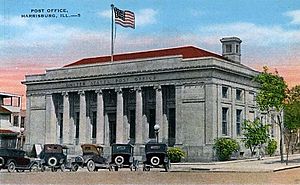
[186, 52]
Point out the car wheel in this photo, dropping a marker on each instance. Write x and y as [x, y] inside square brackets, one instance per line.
[34, 168]
[52, 161]
[131, 167]
[91, 166]
[74, 167]
[167, 167]
[154, 161]
[43, 168]
[62, 167]
[136, 165]
[11, 166]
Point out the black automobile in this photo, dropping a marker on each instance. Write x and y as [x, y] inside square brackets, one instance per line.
[92, 158]
[55, 157]
[15, 159]
[122, 156]
[156, 156]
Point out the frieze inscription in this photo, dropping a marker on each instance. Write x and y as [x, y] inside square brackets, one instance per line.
[110, 81]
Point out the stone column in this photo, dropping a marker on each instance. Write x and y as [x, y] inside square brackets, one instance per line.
[232, 121]
[50, 120]
[138, 116]
[100, 118]
[211, 109]
[246, 100]
[178, 116]
[66, 118]
[119, 126]
[159, 110]
[82, 118]
[106, 130]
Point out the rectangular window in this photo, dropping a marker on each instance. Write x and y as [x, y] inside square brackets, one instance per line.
[16, 121]
[22, 122]
[252, 97]
[239, 94]
[228, 48]
[224, 92]
[251, 115]
[238, 121]
[236, 48]
[224, 121]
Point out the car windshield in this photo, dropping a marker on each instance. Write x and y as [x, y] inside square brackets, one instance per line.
[156, 148]
[53, 149]
[91, 149]
[121, 148]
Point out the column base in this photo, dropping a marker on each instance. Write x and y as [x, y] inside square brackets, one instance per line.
[139, 152]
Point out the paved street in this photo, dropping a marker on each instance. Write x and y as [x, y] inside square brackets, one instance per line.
[266, 171]
[154, 177]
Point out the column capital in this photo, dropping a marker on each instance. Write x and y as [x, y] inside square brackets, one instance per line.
[81, 93]
[65, 93]
[118, 90]
[99, 91]
[157, 87]
[139, 89]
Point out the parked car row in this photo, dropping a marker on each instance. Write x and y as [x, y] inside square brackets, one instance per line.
[55, 157]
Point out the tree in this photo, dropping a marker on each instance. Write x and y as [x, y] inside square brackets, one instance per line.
[271, 98]
[292, 118]
[255, 134]
[294, 94]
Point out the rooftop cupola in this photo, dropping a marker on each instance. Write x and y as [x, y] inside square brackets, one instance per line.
[231, 48]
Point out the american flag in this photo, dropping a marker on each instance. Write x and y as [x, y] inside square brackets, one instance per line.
[124, 18]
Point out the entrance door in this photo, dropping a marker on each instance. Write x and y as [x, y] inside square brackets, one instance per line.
[94, 126]
[112, 127]
[172, 127]
[151, 118]
[132, 126]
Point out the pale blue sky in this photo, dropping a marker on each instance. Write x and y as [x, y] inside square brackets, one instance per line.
[269, 29]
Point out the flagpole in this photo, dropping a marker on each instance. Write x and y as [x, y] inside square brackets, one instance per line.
[112, 33]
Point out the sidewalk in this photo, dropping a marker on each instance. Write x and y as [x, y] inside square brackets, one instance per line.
[267, 164]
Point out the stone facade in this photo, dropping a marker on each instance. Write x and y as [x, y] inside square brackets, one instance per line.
[194, 100]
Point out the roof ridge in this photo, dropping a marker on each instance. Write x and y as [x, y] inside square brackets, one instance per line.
[188, 51]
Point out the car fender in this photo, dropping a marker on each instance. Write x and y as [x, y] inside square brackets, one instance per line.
[2, 161]
[10, 160]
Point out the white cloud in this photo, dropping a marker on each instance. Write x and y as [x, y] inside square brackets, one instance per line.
[12, 21]
[254, 34]
[295, 15]
[145, 17]
[105, 14]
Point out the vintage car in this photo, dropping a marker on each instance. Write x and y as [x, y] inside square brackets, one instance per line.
[15, 159]
[55, 157]
[92, 158]
[122, 156]
[156, 156]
